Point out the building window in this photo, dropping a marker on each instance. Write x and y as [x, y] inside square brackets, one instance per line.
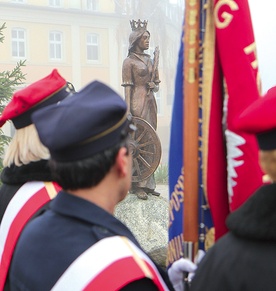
[55, 3]
[18, 43]
[127, 7]
[92, 5]
[55, 39]
[92, 44]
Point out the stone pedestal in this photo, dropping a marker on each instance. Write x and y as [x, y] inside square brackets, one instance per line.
[148, 221]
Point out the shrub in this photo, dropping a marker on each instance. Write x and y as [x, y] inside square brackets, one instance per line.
[161, 174]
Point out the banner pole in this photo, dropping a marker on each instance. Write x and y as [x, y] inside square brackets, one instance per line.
[190, 134]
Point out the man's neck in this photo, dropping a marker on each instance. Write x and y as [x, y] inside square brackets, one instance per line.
[103, 195]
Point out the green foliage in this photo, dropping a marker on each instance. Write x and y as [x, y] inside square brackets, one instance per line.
[1, 32]
[161, 174]
[9, 80]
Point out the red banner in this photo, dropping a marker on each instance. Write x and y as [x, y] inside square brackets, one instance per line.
[237, 52]
[230, 79]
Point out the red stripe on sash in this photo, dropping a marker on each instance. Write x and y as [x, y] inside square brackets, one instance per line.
[37, 201]
[155, 278]
[122, 272]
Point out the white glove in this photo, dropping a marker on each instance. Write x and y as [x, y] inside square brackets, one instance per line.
[177, 270]
[199, 256]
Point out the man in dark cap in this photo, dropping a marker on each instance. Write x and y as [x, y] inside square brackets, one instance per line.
[26, 179]
[244, 259]
[77, 243]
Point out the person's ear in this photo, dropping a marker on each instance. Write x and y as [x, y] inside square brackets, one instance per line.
[267, 161]
[122, 161]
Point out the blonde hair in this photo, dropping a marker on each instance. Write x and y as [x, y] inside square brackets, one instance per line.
[268, 163]
[25, 147]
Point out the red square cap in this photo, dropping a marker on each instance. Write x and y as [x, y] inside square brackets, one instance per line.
[41, 93]
[102, 123]
[260, 119]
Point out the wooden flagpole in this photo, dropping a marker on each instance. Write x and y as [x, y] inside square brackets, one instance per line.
[190, 135]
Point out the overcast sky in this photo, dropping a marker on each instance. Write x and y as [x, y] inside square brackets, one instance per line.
[264, 23]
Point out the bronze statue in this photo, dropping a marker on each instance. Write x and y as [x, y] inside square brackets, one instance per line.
[140, 80]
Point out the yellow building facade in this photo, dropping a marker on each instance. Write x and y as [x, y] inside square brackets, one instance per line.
[87, 40]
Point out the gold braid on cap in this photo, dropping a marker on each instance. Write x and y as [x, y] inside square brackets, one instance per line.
[136, 25]
[106, 132]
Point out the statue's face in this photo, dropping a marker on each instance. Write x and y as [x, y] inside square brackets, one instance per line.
[143, 42]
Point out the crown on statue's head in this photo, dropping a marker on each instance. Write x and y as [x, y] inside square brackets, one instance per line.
[135, 25]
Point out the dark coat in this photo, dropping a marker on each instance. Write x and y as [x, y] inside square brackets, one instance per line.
[53, 240]
[244, 259]
[14, 177]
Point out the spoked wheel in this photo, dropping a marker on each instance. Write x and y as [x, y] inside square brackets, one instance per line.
[145, 147]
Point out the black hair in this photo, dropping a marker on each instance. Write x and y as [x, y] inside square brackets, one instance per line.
[87, 172]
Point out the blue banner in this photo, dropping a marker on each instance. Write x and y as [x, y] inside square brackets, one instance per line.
[176, 175]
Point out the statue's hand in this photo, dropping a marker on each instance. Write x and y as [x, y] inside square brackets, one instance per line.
[151, 85]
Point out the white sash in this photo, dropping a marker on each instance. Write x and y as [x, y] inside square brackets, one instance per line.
[25, 203]
[98, 258]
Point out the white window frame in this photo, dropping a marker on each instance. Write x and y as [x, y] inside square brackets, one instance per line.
[18, 42]
[90, 44]
[19, 1]
[92, 5]
[55, 46]
[55, 3]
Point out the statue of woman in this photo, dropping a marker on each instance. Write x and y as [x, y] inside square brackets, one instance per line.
[140, 80]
